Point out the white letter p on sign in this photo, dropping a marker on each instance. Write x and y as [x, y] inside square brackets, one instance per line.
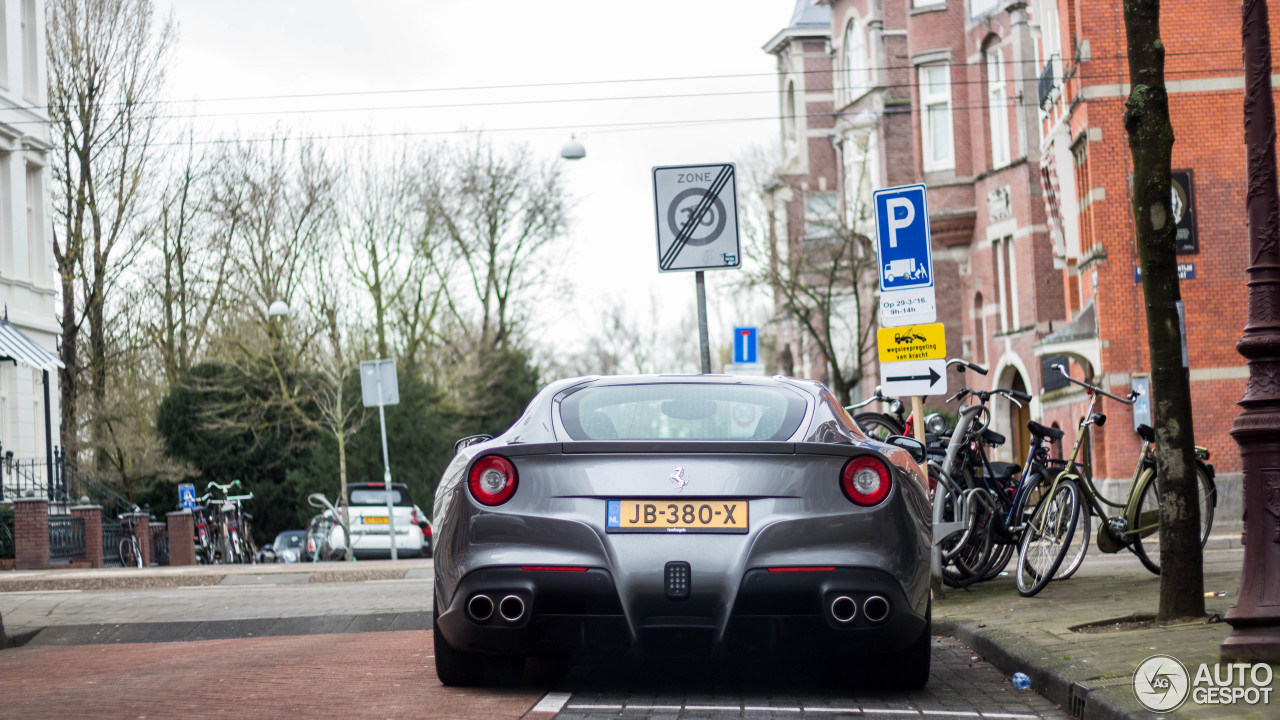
[891, 207]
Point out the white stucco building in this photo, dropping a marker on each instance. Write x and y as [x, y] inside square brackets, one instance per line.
[29, 413]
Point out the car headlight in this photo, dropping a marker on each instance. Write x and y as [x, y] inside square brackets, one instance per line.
[935, 423]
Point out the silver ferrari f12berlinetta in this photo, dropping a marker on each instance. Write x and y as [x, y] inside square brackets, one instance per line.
[698, 515]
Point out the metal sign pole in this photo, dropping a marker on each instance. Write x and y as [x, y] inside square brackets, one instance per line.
[386, 471]
[704, 342]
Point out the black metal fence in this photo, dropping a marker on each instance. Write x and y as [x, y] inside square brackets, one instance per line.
[66, 538]
[112, 534]
[7, 543]
[160, 544]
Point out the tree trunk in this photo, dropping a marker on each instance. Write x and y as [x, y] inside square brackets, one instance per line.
[70, 367]
[1146, 119]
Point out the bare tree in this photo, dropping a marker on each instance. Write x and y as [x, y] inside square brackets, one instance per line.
[824, 282]
[390, 241]
[106, 62]
[501, 214]
[188, 281]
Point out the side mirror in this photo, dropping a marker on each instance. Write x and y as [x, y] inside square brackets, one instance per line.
[911, 445]
[469, 441]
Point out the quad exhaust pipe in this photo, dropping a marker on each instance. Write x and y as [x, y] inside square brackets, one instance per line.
[844, 609]
[876, 608]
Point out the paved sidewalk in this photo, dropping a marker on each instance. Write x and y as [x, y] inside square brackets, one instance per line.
[1091, 675]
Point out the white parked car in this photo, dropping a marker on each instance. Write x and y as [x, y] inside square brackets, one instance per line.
[370, 529]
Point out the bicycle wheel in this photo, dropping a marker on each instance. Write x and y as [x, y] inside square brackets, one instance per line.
[1079, 545]
[1146, 544]
[1047, 537]
[877, 426]
[129, 555]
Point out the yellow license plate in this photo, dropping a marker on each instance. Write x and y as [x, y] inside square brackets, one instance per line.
[672, 515]
[374, 520]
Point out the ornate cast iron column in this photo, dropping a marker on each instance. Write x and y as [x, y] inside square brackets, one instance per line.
[1255, 618]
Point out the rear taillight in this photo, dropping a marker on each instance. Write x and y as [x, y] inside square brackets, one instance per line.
[427, 531]
[865, 481]
[492, 480]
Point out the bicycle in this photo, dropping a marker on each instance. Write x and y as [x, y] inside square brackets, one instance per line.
[1136, 526]
[130, 549]
[986, 501]
[322, 541]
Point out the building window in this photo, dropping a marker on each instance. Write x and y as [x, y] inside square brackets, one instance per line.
[857, 76]
[789, 112]
[997, 108]
[35, 224]
[821, 215]
[935, 117]
[979, 330]
[978, 8]
[1006, 282]
[861, 178]
[4, 50]
[30, 52]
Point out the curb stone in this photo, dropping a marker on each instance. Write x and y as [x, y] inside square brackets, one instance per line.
[1063, 682]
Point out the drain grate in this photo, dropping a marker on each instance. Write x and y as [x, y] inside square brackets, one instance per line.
[1080, 691]
[677, 580]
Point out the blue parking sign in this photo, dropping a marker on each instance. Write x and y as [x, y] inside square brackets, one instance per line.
[745, 345]
[902, 238]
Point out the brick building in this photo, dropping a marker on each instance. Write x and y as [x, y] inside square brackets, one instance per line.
[1011, 114]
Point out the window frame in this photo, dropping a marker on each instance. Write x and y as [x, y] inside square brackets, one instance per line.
[857, 77]
[928, 101]
[997, 107]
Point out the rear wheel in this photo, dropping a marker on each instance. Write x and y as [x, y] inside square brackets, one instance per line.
[459, 668]
[1047, 538]
[129, 556]
[1146, 544]
[1079, 545]
[909, 669]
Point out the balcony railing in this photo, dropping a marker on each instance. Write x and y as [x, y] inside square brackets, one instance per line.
[1046, 81]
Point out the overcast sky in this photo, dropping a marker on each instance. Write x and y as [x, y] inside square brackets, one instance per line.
[403, 53]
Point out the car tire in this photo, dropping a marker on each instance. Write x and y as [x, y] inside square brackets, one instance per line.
[454, 668]
[460, 668]
[909, 669]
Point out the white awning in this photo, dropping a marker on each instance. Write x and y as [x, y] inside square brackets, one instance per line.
[16, 346]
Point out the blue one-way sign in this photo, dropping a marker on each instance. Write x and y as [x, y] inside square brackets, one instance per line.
[745, 345]
[902, 238]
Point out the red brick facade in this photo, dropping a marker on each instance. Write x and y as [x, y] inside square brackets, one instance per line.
[182, 545]
[1033, 248]
[92, 516]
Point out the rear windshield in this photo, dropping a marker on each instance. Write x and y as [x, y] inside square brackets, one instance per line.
[378, 496]
[682, 411]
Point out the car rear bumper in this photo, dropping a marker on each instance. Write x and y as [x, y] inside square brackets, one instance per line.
[775, 614]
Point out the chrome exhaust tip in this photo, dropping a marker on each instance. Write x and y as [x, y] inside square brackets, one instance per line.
[876, 608]
[844, 609]
[480, 607]
[511, 608]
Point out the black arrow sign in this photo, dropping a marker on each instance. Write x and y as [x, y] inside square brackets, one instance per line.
[932, 377]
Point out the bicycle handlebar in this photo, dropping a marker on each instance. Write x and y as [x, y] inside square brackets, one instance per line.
[1133, 394]
[240, 497]
[966, 364]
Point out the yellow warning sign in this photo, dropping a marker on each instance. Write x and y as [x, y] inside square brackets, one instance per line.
[912, 342]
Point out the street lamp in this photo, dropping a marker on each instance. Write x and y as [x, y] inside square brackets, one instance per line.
[279, 308]
[573, 149]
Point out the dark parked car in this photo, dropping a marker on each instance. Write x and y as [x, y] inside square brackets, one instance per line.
[287, 548]
[682, 515]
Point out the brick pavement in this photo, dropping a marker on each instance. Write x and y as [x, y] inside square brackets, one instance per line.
[380, 675]
[1091, 673]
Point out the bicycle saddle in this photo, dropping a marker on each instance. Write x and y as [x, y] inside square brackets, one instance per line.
[1005, 470]
[1041, 431]
[991, 437]
[1147, 433]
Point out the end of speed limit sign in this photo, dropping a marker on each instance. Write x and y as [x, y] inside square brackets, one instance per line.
[696, 213]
